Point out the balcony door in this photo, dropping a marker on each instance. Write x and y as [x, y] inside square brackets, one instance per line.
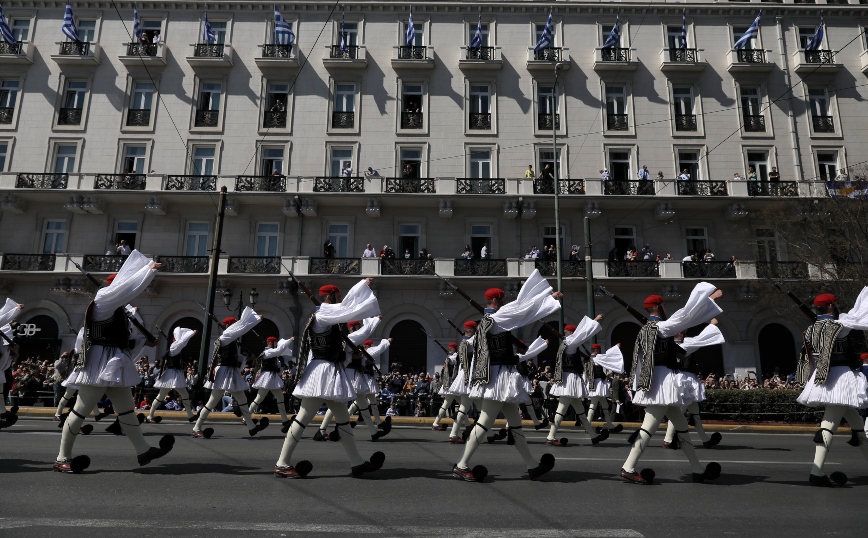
[759, 160]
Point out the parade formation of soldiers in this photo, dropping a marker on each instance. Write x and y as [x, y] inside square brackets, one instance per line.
[487, 368]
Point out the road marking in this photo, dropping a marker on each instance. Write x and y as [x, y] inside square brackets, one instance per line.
[718, 461]
[469, 532]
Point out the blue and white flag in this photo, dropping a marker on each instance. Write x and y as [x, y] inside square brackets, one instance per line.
[137, 24]
[749, 35]
[344, 45]
[411, 31]
[848, 189]
[614, 39]
[817, 40]
[69, 29]
[5, 31]
[282, 30]
[547, 38]
[208, 35]
[476, 42]
[683, 30]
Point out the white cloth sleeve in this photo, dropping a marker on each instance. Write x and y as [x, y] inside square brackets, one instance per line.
[375, 351]
[135, 275]
[536, 347]
[586, 329]
[284, 347]
[9, 312]
[78, 340]
[857, 317]
[534, 302]
[365, 331]
[7, 330]
[359, 303]
[182, 338]
[248, 320]
[709, 336]
[699, 309]
[612, 359]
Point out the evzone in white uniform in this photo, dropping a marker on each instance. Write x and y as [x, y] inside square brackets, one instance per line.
[449, 371]
[495, 379]
[361, 381]
[225, 374]
[536, 347]
[836, 343]
[270, 379]
[368, 397]
[323, 378]
[658, 381]
[568, 383]
[71, 390]
[460, 386]
[599, 385]
[8, 313]
[106, 366]
[694, 388]
[173, 374]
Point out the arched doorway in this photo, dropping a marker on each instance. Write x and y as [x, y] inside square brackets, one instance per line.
[409, 349]
[777, 350]
[255, 343]
[190, 353]
[709, 358]
[550, 355]
[625, 334]
[38, 339]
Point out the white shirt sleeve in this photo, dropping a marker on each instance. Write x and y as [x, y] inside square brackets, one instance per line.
[9, 312]
[78, 340]
[451, 358]
[375, 351]
[857, 317]
[534, 302]
[135, 275]
[709, 336]
[359, 303]
[586, 329]
[182, 338]
[248, 320]
[699, 309]
[284, 347]
[612, 359]
[365, 331]
[536, 347]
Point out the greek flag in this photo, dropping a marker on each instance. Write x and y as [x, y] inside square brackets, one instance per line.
[750, 34]
[282, 30]
[547, 37]
[476, 42]
[344, 45]
[208, 34]
[5, 31]
[614, 39]
[411, 31]
[848, 189]
[817, 40]
[683, 30]
[137, 24]
[68, 28]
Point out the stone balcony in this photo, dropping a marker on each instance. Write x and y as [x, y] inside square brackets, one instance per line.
[19, 53]
[143, 55]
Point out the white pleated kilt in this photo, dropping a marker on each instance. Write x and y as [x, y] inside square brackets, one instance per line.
[357, 379]
[227, 378]
[528, 389]
[458, 386]
[171, 379]
[669, 387]
[325, 380]
[843, 387]
[506, 386]
[372, 388]
[573, 386]
[268, 380]
[105, 367]
[601, 389]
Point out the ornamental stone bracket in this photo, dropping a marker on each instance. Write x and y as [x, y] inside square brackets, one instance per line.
[510, 210]
[746, 293]
[85, 204]
[13, 204]
[592, 210]
[528, 209]
[664, 211]
[671, 291]
[290, 209]
[373, 209]
[445, 208]
[156, 205]
[231, 207]
[735, 211]
[308, 207]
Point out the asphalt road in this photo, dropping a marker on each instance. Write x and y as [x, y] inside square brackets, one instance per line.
[224, 487]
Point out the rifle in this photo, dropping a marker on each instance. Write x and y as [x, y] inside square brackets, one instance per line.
[222, 328]
[450, 323]
[150, 337]
[806, 310]
[435, 341]
[632, 311]
[157, 362]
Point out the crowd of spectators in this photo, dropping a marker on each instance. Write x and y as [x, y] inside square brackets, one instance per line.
[769, 381]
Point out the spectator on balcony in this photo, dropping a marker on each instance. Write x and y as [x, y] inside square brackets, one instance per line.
[644, 174]
[529, 174]
[407, 254]
[122, 248]
[708, 256]
[574, 253]
[774, 175]
[843, 175]
[483, 254]
[371, 173]
[668, 257]
[278, 106]
[604, 174]
[690, 257]
[157, 38]
[424, 255]
[647, 253]
[660, 176]
[328, 250]
[550, 253]
[145, 39]
[737, 177]
[468, 253]
[408, 171]
[546, 174]
[346, 170]
[751, 174]
[369, 252]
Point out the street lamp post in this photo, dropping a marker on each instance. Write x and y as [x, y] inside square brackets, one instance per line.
[227, 300]
[558, 253]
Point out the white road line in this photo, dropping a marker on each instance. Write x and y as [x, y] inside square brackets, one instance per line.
[468, 532]
[718, 461]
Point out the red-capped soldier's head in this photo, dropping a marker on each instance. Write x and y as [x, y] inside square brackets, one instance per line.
[330, 294]
[494, 298]
[469, 328]
[654, 306]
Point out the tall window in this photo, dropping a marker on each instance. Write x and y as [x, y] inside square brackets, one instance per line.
[75, 94]
[53, 236]
[197, 239]
[345, 97]
[21, 29]
[351, 29]
[339, 235]
[759, 160]
[87, 31]
[806, 33]
[340, 159]
[203, 161]
[480, 99]
[480, 164]
[209, 96]
[547, 157]
[738, 31]
[134, 159]
[689, 160]
[219, 28]
[4, 154]
[153, 28]
[272, 161]
[538, 32]
[683, 101]
[545, 100]
[480, 235]
[766, 245]
[619, 165]
[411, 163]
[827, 161]
[276, 97]
[8, 94]
[143, 96]
[750, 101]
[408, 237]
[549, 238]
[127, 230]
[418, 39]
[625, 238]
[819, 102]
[616, 108]
[64, 159]
[485, 38]
[266, 239]
[697, 240]
[412, 98]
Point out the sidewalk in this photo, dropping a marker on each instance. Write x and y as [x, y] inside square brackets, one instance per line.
[180, 416]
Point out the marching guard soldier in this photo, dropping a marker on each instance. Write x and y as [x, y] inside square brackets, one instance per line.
[105, 364]
[495, 379]
[656, 379]
[8, 313]
[460, 386]
[366, 400]
[173, 375]
[323, 378]
[71, 390]
[536, 347]
[449, 375]
[598, 383]
[833, 345]
[270, 379]
[225, 374]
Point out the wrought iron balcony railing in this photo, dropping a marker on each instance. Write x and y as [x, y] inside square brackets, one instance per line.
[103, 263]
[823, 124]
[339, 184]
[754, 124]
[787, 189]
[207, 118]
[10, 48]
[702, 188]
[467, 185]
[551, 54]
[191, 183]
[276, 51]
[486, 267]
[28, 262]
[351, 52]
[569, 268]
[335, 266]
[544, 121]
[775, 269]
[479, 121]
[343, 120]
[411, 185]
[411, 120]
[138, 117]
[683, 55]
[406, 267]
[481, 53]
[637, 269]
[142, 49]
[69, 116]
[567, 186]
[266, 265]
[183, 264]
[41, 181]
[819, 56]
[208, 50]
[260, 183]
[617, 122]
[615, 55]
[751, 56]
[685, 122]
[628, 187]
[71, 48]
[412, 53]
[130, 182]
[708, 269]
[6, 114]
[274, 119]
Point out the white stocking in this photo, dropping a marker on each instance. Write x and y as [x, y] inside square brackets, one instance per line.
[184, 396]
[681, 430]
[375, 408]
[460, 416]
[831, 419]
[244, 407]
[354, 408]
[579, 406]
[360, 402]
[64, 400]
[858, 423]
[261, 394]
[693, 410]
[342, 418]
[603, 404]
[653, 416]
[323, 426]
[489, 412]
[444, 409]
[281, 405]
[560, 414]
[307, 410]
[513, 420]
[87, 397]
[210, 406]
[161, 398]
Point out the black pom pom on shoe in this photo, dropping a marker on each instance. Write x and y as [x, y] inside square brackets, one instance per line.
[854, 439]
[648, 475]
[208, 432]
[838, 477]
[479, 472]
[303, 468]
[79, 464]
[86, 429]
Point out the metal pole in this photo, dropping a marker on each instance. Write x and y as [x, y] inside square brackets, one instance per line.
[558, 253]
[212, 288]
[589, 274]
